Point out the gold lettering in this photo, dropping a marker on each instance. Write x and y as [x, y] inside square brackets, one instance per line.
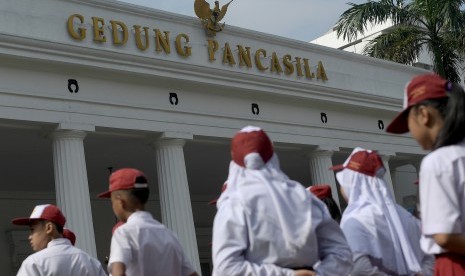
[115, 25]
[289, 67]
[163, 41]
[186, 51]
[244, 56]
[298, 66]
[99, 33]
[308, 72]
[258, 62]
[275, 66]
[138, 37]
[213, 46]
[228, 55]
[321, 73]
[82, 31]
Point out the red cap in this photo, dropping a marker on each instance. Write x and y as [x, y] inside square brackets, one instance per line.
[68, 234]
[416, 182]
[362, 161]
[43, 212]
[124, 179]
[424, 87]
[251, 140]
[213, 202]
[320, 190]
[118, 224]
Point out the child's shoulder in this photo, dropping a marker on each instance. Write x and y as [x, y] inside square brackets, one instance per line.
[444, 155]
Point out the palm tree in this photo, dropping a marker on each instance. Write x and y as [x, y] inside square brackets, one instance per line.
[437, 26]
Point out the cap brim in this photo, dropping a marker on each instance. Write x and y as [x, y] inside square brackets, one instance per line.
[106, 194]
[22, 221]
[399, 125]
[337, 167]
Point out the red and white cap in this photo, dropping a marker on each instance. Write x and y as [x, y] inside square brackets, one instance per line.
[420, 88]
[124, 179]
[248, 144]
[43, 212]
[320, 190]
[68, 234]
[363, 161]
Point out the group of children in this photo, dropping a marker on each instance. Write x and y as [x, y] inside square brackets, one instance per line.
[268, 224]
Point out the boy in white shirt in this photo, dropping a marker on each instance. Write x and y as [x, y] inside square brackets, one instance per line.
[54, 254]
[141, 246]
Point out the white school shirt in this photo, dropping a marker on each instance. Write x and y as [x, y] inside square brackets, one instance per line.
[245, 245]
[60, 258]
[365, 265]
[147, 247]
[442, 194]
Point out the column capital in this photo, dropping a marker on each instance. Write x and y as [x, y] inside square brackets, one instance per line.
[70, 130]
[322, 151]
[75, 126]
[171, 139]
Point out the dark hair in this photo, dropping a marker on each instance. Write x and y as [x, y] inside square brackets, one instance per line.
[452, 111]
[141, 194]
[333, 208]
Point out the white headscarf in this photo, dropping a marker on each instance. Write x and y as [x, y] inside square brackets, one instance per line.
[371, 222]
[290, 201]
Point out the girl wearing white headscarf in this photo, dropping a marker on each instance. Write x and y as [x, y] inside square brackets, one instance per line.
[383, 236]
[267, 224]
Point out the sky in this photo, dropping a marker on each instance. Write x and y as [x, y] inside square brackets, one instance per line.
[303, 20]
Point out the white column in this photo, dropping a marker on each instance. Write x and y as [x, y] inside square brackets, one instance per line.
[320, 162]
[387, 175]
[72, 188]
[176, 209]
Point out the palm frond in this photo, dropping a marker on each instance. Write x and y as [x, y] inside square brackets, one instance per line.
[355, 20]
[401, 44]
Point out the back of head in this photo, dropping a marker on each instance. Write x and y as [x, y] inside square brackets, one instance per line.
[251, 148]
[453, 114]
[130, 180]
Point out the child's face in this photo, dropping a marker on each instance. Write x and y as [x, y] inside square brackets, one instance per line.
[38, 237]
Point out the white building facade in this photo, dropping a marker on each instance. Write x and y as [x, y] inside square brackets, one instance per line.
[87, 87]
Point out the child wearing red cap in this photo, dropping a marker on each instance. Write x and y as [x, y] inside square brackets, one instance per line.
[323, 192]
[140, 245]
[267, 224]
[54, 254]
[434, 113]
[383, 236]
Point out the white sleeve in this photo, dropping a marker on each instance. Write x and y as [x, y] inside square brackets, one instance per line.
[364, 267]
[441, 211]
[334, 252]
[120, 249]
[230, 240]
[28, 267]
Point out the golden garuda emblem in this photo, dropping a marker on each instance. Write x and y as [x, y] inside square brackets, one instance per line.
[211, 17]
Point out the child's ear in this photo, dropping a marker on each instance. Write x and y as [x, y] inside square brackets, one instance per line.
[49, 227]
[423, 115]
